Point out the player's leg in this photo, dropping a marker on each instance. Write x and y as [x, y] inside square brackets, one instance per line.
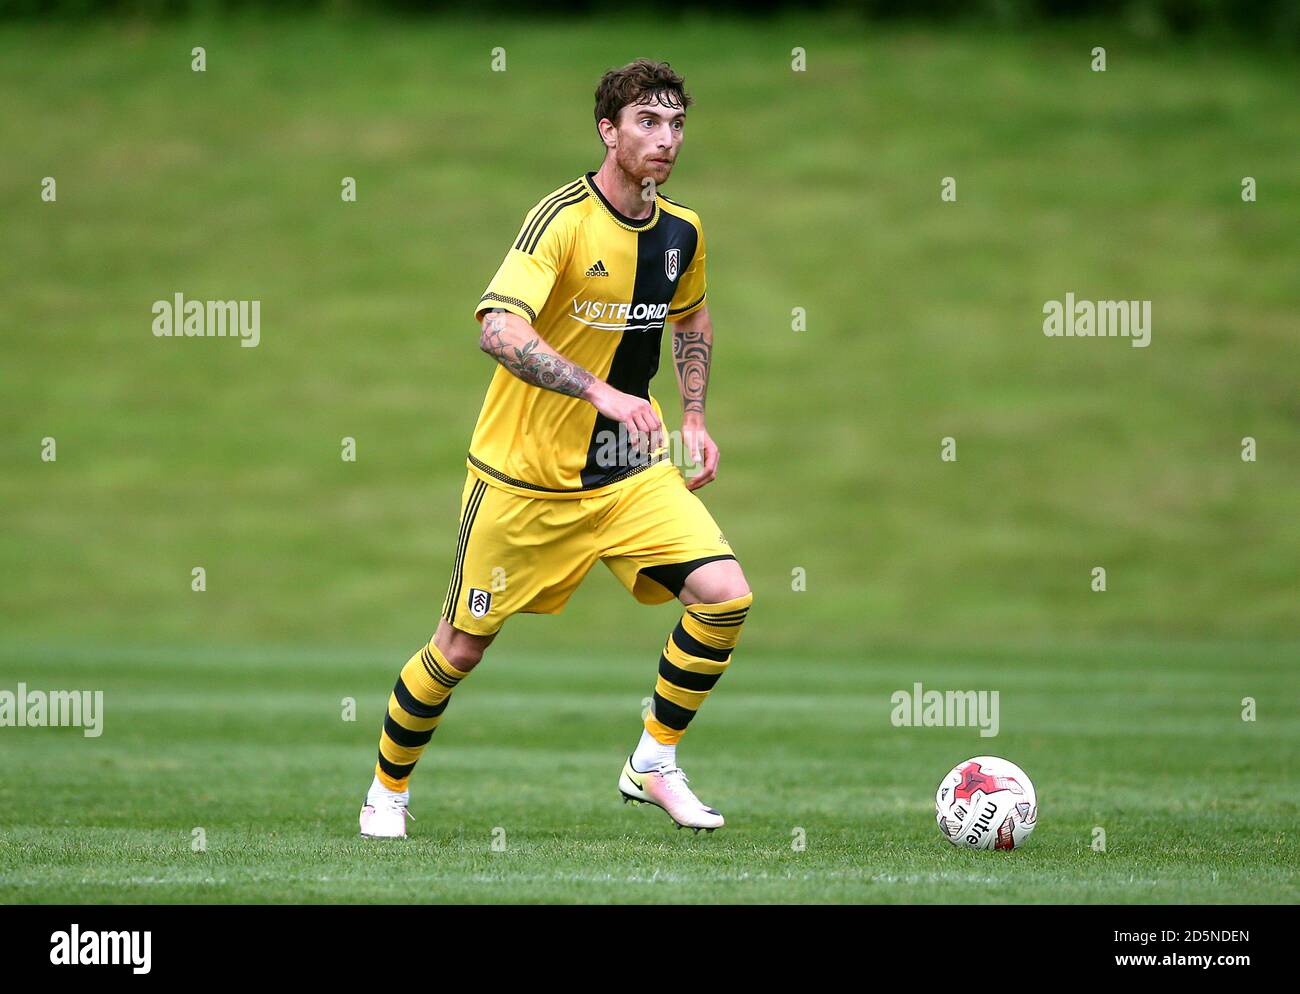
[716, 597]
[514, 554]
[424, 686]
[415, 708]
[686, 558]
[697, 653]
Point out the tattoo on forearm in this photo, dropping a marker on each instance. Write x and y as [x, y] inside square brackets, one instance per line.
[544, 369]
[548, 370]
[692, 352]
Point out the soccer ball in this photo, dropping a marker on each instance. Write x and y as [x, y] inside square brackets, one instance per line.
[986, 803]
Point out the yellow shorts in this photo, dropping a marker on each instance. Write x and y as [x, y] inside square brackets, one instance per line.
[527, 555]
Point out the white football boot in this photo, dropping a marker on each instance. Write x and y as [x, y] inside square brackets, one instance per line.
[384, 814]
[666, 786]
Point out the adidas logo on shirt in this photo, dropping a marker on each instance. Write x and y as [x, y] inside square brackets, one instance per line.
[598, 269]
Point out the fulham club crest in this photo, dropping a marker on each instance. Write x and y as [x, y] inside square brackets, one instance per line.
[672, 259]
[479, 602]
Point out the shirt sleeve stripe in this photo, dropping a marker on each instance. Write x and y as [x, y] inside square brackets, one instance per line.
[559, 195]
[577, 199]
[513, 301]
[683, 310]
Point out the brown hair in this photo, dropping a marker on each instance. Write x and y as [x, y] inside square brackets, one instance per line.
[639, 82]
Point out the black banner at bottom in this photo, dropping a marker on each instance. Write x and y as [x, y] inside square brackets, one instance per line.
[267, 942]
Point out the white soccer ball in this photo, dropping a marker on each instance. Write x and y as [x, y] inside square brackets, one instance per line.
[986, 803]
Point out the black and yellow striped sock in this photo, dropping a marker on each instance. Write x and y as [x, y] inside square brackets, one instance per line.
[696, 654]
[422, 693]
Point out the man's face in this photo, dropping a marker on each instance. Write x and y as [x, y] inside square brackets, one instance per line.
[648, 137]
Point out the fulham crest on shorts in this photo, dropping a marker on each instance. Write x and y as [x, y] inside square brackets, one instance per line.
[480, 602]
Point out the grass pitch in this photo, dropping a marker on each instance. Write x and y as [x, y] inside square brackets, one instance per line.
[1145, 743]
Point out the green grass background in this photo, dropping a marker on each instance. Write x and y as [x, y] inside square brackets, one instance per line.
[817, 190]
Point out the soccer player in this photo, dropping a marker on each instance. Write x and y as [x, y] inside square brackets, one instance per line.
[569, 463]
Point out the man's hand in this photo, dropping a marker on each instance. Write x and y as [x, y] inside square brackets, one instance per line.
[701, 447]
[644, 428]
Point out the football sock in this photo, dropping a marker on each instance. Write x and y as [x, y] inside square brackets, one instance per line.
[421, 694]
[650, 754]
[696, 654]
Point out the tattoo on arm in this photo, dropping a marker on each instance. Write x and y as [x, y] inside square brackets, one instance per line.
[546, 369]
[693, 352]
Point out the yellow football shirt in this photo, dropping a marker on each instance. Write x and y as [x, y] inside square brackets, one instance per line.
[598, 287]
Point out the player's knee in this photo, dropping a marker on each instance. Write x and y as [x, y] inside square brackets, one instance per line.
[462, 649]
[464, 658]
[734, 592]
[717, 583]
[736, 600]
[467, 651]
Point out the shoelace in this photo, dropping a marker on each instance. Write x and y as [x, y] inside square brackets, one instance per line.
[675, 779]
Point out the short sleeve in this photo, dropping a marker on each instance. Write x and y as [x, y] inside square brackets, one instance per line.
[529, 270]
[693, 286]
